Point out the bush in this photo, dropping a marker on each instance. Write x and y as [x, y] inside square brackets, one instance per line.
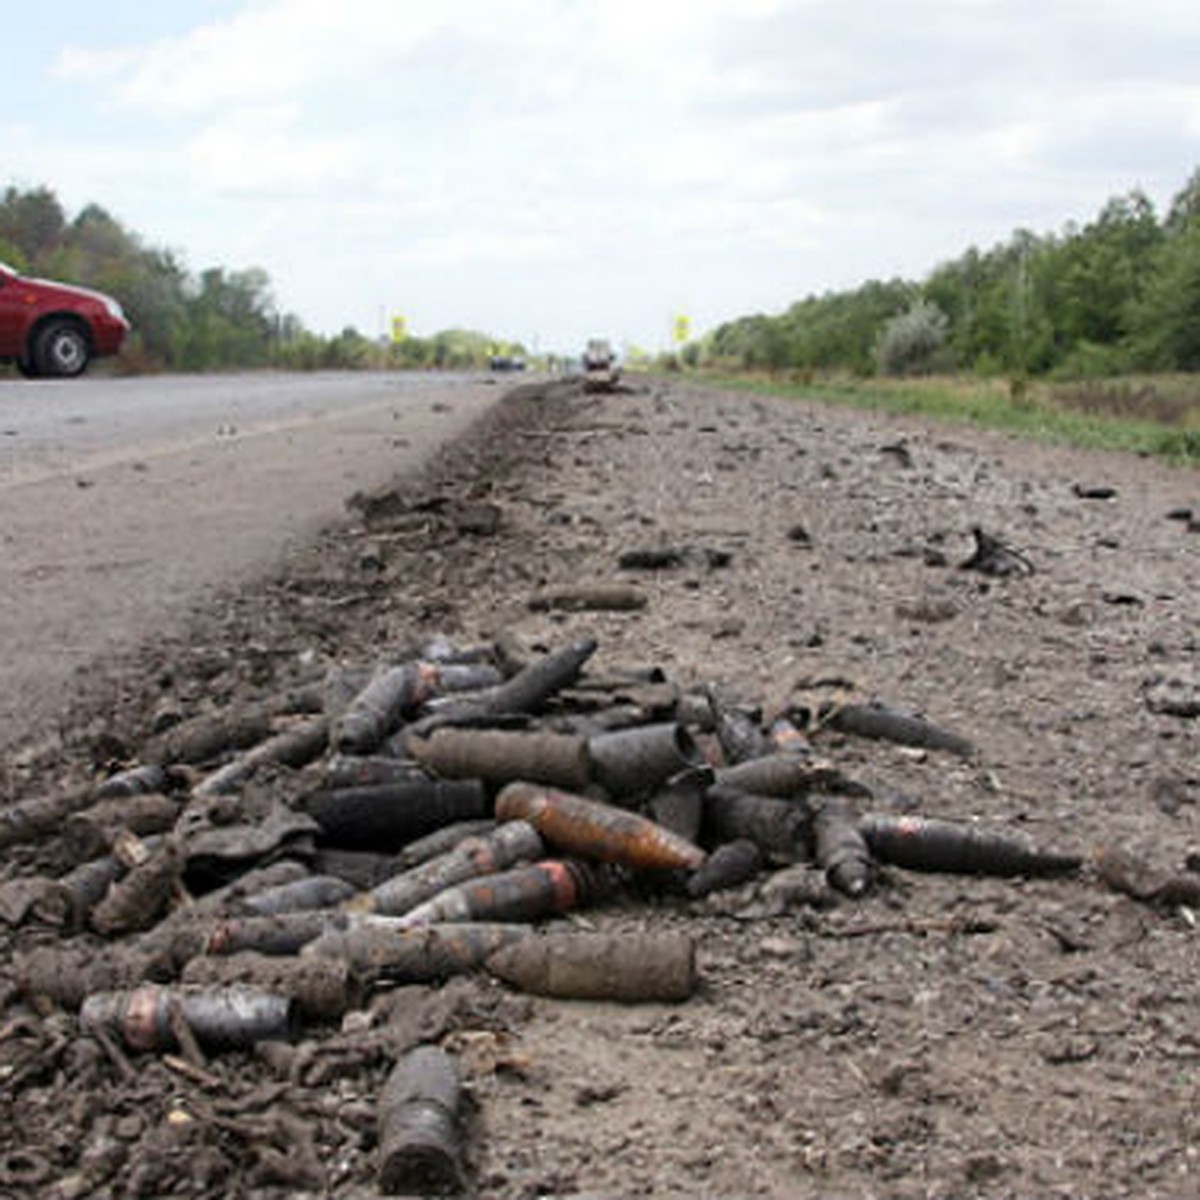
[913, 343]
[1088, 360]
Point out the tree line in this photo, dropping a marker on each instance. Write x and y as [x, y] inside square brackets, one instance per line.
[218, 319]
[1118, 294]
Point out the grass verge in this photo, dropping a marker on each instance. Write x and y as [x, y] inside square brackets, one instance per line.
[1046, 412]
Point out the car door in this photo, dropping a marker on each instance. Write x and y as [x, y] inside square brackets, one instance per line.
[12, 315]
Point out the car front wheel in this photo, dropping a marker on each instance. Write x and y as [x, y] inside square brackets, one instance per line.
[61, 349]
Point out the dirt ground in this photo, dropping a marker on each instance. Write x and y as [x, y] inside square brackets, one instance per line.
[945, 1035]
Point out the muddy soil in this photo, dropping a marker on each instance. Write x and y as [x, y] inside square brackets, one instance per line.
[945, 1035]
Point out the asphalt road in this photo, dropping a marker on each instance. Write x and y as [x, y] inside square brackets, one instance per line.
[124, 502]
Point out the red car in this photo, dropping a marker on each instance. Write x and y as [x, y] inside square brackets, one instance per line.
[54, 329]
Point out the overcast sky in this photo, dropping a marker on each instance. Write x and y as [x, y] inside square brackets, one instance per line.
[550, 170]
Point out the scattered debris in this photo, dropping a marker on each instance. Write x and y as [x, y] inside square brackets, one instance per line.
[993, 557]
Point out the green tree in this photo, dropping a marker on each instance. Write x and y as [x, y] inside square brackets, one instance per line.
[33, 222]
[1185, 207]
[1165, 323]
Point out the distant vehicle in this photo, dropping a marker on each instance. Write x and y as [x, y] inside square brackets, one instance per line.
[55, 329]
[600, 370]
[505, 362]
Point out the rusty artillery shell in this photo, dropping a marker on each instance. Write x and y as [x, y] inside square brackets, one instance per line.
[292, 747]
[29, 820]
[201, 739]
[398, 694]
[387, 816]
[455, 677]
[26, 895]
[368, 770]
[91, 832]
[787, 738]
[359, 868]
[441, 841]
[739, 733]
[440, 649]
[420, 1144]
[135, 781]
[788, 775]
[632, 968]
[927, 844]
[301, 895]
[729, 865]
[379, 707]
[782, 829]
[633, 762]
[526, 692]
[323, 989]
[679, 806]
[841, 849]
[525, 893]
[594, 830]
[67, 975]
[139, 899]
[79, 891]
[281, 934]
[182, 934]
[378, 949]
[501, 756]
[220, 1018]
[513, 842]
[796, 887]
[886, 724]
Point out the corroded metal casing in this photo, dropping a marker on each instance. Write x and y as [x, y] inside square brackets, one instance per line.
[92, 832]
[378, 708]
[135, 781]
[220, 1018]
[679, 805]
[368, 770]
[928, 844]
[780, 828]
[322, 988]
[501, 756]
[513, 842]
[67, 974]
[629, 967]
[886, 724]
[389, 815]
[840, 846]
[632, 762]
[303, 895]
[779, 775]
[138, 900]
[420, 1143]
[729, 865]
[379, 949]
[280, 934]
[590, 829]
[521, 894]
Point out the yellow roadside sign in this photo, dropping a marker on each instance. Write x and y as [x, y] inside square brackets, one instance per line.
[682, 329]
[399, 329]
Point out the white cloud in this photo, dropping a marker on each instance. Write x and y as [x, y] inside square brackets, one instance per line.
[263, 150]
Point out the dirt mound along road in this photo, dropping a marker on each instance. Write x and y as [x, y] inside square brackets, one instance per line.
[944, 1034]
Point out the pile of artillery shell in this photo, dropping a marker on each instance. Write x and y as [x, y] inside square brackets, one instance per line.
[257, 871]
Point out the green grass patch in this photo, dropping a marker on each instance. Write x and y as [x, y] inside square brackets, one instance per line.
[1042, 412]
